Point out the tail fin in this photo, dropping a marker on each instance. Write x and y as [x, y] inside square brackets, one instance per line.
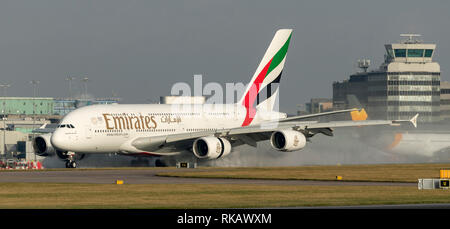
[267, 76]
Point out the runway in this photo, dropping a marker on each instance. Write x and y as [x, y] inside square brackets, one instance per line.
[149, 176]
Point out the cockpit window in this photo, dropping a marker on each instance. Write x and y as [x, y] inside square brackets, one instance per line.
[66, 125]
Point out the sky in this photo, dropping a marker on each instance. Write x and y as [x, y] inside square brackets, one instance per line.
[137, 50]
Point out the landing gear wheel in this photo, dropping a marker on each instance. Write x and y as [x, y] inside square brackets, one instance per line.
[71, 164]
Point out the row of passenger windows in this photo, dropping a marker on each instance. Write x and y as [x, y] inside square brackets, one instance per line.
[413, 52]
[156, 114]
[156, 130]
[201, 129]
[147, 130]
[218, 113]
[108, 131]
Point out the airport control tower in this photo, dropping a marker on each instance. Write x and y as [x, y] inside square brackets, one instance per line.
[407, 83]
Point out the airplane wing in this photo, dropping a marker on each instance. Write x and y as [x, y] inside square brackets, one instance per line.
[252, 134]
[300, 117]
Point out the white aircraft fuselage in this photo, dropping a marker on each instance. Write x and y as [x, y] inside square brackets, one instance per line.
[111, 128]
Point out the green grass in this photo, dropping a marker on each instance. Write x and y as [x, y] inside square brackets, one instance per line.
[381, 173]
[186, 196]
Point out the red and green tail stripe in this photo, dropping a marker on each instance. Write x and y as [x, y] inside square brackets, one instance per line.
[254, 90]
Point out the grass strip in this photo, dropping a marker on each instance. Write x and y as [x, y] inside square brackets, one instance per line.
[189, 196]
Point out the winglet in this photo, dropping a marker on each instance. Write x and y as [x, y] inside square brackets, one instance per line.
[414, 120]
[360, 115]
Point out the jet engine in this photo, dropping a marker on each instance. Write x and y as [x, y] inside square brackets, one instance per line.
[287, 140]
[43, 147]
[211, 147]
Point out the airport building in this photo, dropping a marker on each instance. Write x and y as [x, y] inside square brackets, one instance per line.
[318, 105]
[445, 101]
[24, 106]
[406, 83]
[19, 116]
[63, 106]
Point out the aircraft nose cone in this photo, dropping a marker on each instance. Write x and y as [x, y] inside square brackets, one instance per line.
[58, 140]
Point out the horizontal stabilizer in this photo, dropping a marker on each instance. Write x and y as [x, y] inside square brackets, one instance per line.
[360, 115]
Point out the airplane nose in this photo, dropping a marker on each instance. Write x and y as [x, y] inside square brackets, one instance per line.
[58, 140]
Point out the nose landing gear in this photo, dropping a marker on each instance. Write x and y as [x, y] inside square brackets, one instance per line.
[70, 162]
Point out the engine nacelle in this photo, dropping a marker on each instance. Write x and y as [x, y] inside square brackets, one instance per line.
[42, 146]
[211, 147]
[287, 140]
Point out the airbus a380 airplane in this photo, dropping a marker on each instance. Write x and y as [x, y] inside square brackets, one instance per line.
[206, 131]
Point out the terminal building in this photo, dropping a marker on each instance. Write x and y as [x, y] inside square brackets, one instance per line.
[24, 106]
[406, 83]
[62, 106]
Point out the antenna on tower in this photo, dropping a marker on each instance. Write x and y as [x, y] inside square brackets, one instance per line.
[411, 38]
[364, 64]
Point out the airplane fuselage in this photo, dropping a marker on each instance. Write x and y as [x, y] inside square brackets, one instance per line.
[108, 128]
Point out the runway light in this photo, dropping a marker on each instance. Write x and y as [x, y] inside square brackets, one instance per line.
[119, 181]
[338, 177]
